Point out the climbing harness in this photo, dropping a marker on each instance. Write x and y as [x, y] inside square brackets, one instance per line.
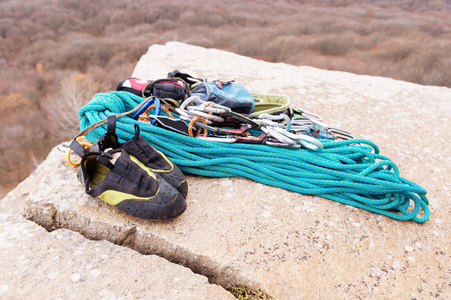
[334, 165]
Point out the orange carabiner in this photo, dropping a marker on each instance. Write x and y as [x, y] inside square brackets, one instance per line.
[191, 126]
[85, 143]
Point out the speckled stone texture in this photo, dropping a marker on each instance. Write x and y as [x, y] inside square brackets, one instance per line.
[63, 264]
[292, 246]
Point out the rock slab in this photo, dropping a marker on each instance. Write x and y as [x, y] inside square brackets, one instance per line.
[63, 264]
[292, 246]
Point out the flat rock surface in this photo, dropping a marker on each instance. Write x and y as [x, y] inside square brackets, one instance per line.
[236, 231]
[65, 265]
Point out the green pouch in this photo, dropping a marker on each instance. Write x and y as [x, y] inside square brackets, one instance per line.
[268, 104]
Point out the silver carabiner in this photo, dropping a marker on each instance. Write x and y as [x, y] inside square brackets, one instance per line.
[206, 116]
[212, 107]
[281, 117]
[282, 145]
[189, 100]
[225, 139]
[205, 126]
[304, 129]
[303, 121]
[278, 136]
[190, 113]
[341, 134]
[200, 109]
[305, 140]
[311, 115]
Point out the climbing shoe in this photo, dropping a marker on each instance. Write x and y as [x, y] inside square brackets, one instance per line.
[123, 181]
[152, 159]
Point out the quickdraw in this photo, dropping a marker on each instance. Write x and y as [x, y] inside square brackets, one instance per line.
[221, 124]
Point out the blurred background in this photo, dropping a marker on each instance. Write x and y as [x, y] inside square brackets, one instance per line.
[56, 54]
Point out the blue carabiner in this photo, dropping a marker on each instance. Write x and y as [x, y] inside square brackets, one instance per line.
[146, 105]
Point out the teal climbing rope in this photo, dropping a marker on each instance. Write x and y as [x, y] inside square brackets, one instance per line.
[351, 172]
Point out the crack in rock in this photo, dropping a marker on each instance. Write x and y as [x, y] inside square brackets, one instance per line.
[226, 275]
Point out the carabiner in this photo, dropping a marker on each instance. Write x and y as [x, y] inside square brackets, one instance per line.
[212, 107]
[197, 110]
[222, 139]
[306, 114]
[281, 137]
[305, 140]
[189, 100]
[304, 129]
[146, 105]
[282, 145]
[340, 134]
[281, 117]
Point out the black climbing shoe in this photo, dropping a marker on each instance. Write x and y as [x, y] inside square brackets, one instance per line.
[151, 158]
[123, 181]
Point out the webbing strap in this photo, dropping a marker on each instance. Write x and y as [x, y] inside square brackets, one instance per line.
[91, 127]
[77, 148]
[111, 120]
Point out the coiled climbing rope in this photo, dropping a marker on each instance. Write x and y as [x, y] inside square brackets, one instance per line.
[351, 172]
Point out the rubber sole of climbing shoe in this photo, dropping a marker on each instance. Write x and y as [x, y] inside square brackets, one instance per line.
[123, 181]
[169, 204]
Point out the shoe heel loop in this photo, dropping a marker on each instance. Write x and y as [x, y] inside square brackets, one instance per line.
[78, 148]
[137, 131]
[111, 124]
